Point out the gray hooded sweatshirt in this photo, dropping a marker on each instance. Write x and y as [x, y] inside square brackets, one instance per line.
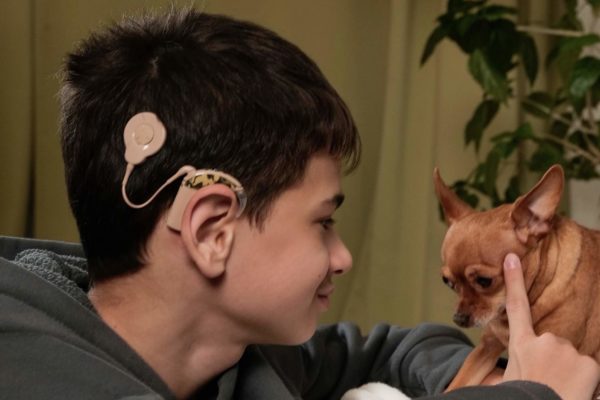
[53, 345]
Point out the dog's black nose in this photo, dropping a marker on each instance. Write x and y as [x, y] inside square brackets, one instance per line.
[461, 319]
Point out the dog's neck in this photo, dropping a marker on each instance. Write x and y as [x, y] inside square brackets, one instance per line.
[541, 263]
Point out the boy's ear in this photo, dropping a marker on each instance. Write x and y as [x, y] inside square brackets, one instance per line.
[207, 228]
[532, 213]
[454, 208]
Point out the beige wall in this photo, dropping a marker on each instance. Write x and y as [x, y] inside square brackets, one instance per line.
[411, 119]
[15, 115]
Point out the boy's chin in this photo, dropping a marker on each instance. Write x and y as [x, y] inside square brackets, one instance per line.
[300, 336]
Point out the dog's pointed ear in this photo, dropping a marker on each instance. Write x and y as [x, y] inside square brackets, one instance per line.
[533, 213]
[454, 208]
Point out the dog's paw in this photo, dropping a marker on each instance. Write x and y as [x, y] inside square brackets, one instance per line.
[374, 391]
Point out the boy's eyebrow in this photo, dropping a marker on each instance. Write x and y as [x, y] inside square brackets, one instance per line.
[336, 200]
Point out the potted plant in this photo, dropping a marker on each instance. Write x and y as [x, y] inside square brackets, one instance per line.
[496, 46]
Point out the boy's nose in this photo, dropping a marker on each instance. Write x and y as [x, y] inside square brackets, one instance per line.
[341, 259]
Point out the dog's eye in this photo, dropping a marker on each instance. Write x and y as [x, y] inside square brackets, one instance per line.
[448, 282]
[484, 282]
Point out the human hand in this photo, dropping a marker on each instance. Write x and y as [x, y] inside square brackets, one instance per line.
[494, 377]
[546, 359]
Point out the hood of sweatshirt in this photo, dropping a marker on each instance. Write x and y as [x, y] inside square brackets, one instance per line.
[43, 296]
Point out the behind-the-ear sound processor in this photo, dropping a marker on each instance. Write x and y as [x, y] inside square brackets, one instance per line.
[145, 135]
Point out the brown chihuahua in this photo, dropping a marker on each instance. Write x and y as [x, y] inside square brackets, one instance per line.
[561, 267]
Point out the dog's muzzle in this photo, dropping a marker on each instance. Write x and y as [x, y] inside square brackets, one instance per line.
[462, 319]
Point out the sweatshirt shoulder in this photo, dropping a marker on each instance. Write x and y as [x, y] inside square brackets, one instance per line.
[11, 246]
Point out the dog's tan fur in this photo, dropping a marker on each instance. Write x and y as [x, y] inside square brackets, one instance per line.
[561, 266]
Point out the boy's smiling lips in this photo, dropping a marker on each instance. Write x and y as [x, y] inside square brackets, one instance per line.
[326, 287]
[324, 293]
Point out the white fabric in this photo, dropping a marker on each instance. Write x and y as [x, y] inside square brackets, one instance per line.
[374, 391]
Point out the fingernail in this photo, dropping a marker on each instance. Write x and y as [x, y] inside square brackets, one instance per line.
[511, 261]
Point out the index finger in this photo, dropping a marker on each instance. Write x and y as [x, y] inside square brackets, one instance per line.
[517, 302]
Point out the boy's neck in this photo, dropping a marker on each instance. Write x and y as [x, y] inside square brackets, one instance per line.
[186, 349]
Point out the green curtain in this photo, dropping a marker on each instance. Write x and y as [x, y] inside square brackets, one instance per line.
[410, 117]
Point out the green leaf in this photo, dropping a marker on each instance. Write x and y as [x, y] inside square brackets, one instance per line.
[504, 148]
[436, 36]
[528, 53]
[494, 12]
[538, 104]
[552, 55]
[595, 5]
[490, 80]
[546, 155]
[502, 46]
[567, 51]
[492, 163]
[477, 35]
[571, 6]
[580, 168]
[569, 44]
[483, 115]
[524, 132]
[461, 6]
[570, 20]
[535, 110]
[595, 93]
[559, 128]
[543, 98]
[583, 139]
[478, 181]
[585, 74]
[506, 143]
[462, 191]
[578, 104]
[463, 24]
[512, 190]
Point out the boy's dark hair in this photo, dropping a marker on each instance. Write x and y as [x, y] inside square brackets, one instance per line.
[232, 95]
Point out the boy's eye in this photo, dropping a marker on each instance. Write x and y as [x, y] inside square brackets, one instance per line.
[483, 282]
[327, 223]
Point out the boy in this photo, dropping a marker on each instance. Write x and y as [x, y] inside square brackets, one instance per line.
[203, 159]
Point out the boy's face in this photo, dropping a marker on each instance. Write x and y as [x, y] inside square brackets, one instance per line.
[279, 278]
